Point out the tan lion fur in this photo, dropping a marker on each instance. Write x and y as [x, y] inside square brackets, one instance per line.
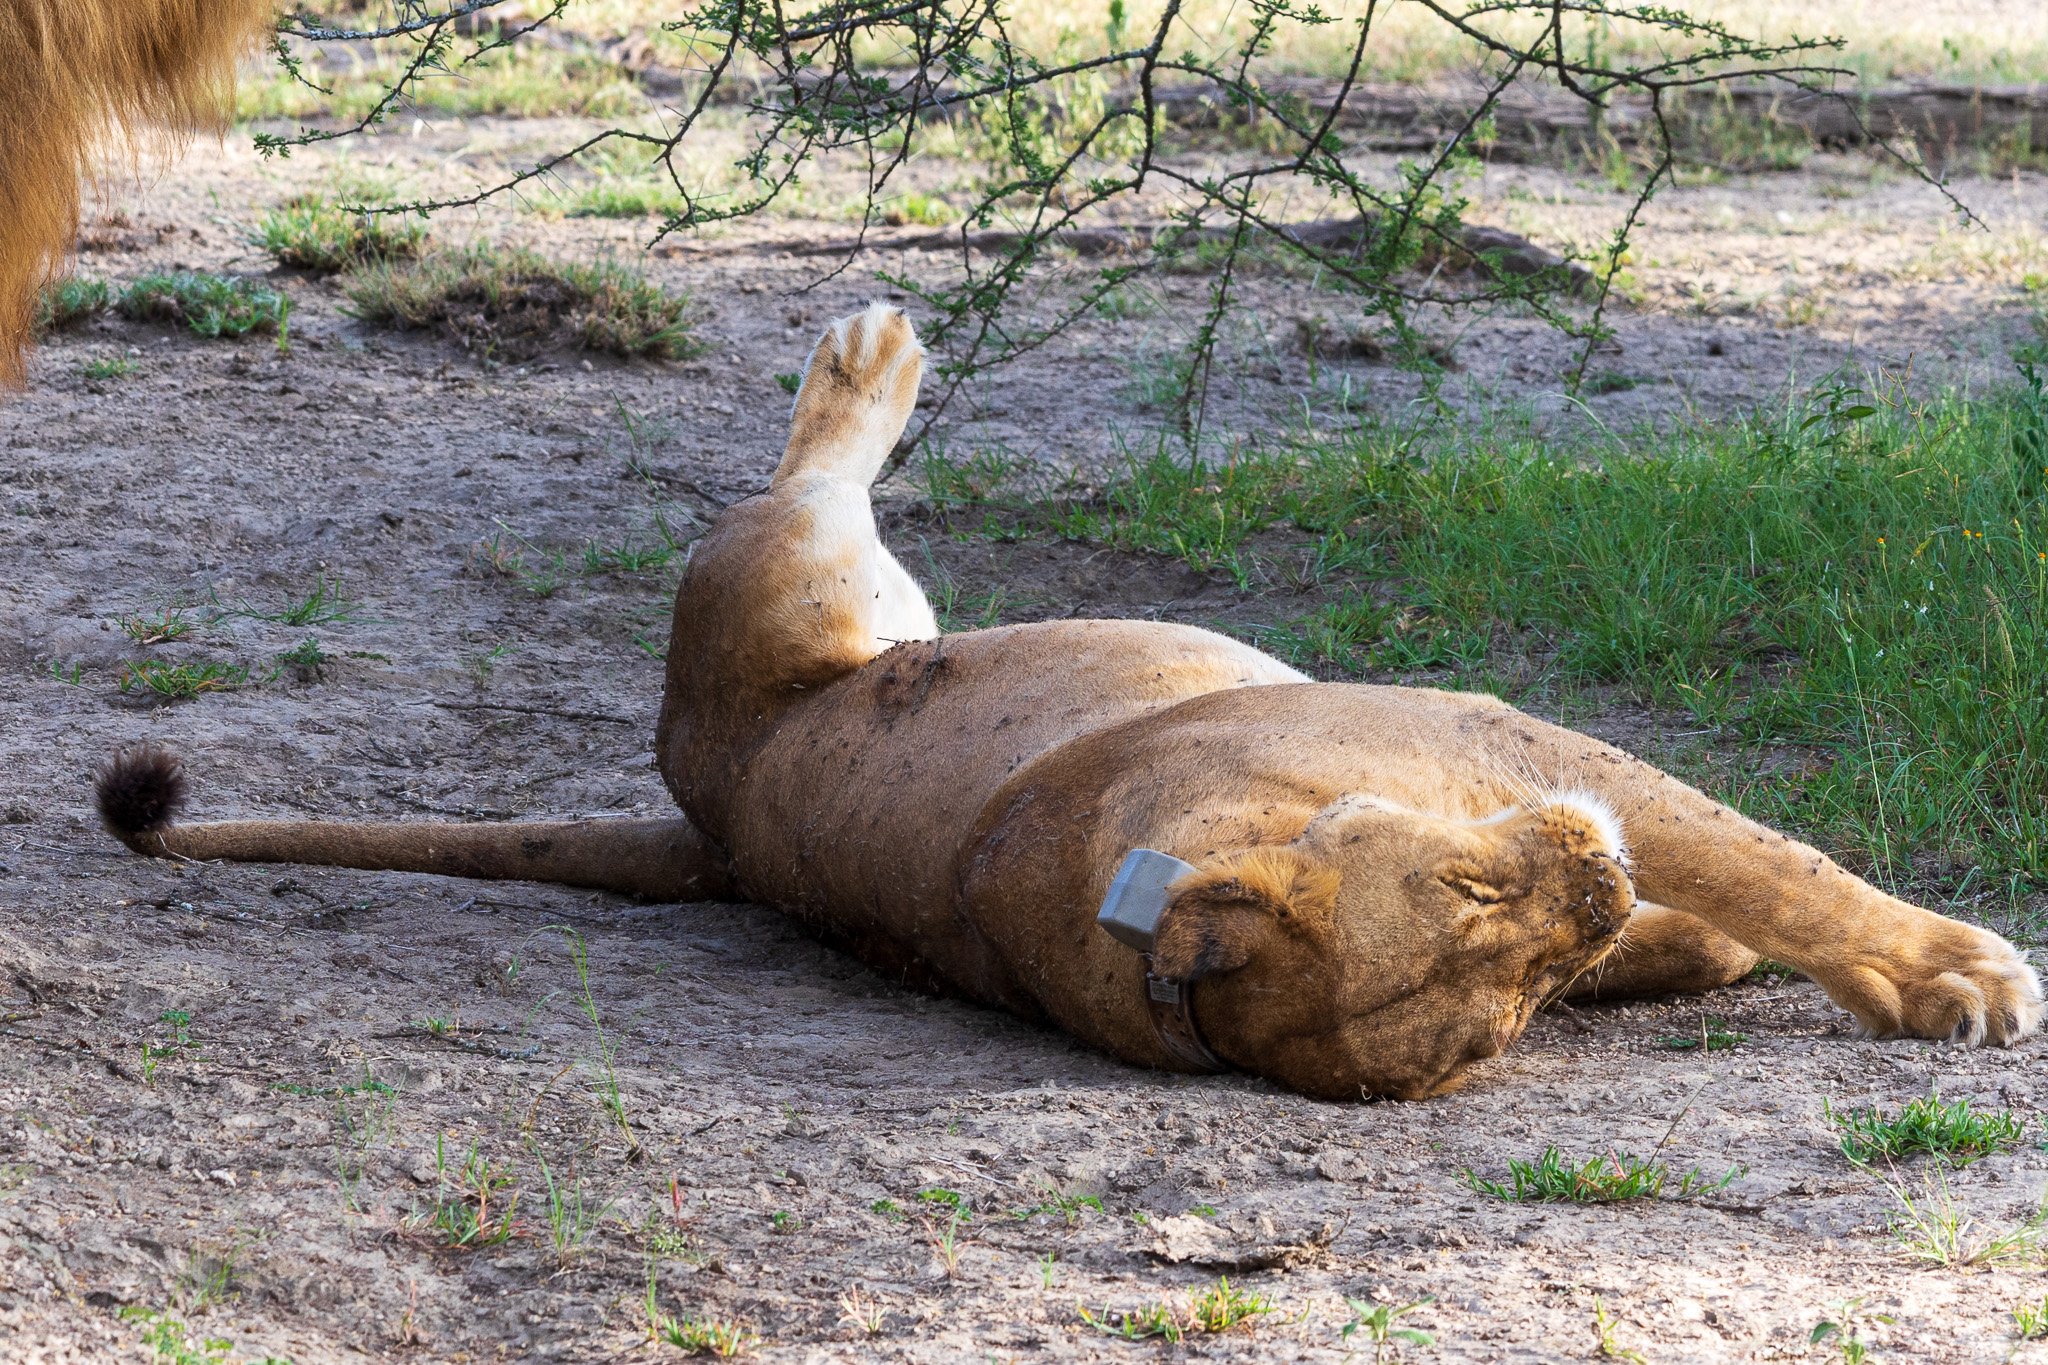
[1387, 882]
[76, 78]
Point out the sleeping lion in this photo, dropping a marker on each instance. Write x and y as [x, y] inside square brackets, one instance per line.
[1351, 890]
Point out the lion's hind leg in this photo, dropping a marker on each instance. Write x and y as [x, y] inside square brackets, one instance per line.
[1664, 952]
[858, 391]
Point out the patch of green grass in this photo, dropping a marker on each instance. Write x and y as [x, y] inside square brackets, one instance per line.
[105, 367]
[721, 1337]
[1933, 1226]
[2030, 1320]
[1714, 1036]
[519, 80]
[70, 301]
[1225, 1307]
[181, 682]
[322, 604]
[1215, 1309]
[311, 232]
[1843, 1329]
[211, 305]
[1553, 1178]
[1061, 1204]
[512, 303]
[1611, 381]
[1953, 1132]
[475, 1204]
[305, 659]
[614, 197]
[1376, 1321]
[169, 622]
[1863, 576]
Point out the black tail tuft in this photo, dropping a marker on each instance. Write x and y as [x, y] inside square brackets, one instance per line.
[140, 790]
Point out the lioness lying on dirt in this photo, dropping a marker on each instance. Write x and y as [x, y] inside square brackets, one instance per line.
[1386, 882]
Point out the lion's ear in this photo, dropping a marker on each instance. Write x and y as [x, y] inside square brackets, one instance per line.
[1219, 916]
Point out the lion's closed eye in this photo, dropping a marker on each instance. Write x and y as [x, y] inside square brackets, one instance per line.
[1473, 889]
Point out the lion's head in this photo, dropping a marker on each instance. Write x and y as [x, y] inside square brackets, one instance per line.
[1385, 949]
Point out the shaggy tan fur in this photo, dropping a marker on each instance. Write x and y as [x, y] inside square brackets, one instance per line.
[1387, 882]
[75, 76]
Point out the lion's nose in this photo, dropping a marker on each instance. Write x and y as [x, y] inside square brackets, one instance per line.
[1606, 896]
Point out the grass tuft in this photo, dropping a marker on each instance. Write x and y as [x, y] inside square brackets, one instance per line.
[70, 301]
[211, 305]
[310, 232]
[1953, 1132]
[181, 682]
[510, 303]
[1554, 1178]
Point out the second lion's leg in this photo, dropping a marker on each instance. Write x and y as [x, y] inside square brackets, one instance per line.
[1664, 952]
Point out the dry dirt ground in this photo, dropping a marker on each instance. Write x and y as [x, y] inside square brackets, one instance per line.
[222, 1088]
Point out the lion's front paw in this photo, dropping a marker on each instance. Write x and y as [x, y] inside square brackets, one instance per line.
[1949, 981]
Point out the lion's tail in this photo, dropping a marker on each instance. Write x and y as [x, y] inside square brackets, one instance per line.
[72, 74]
[141, 789]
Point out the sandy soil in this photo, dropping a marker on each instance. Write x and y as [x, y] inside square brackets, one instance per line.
[265, 1181]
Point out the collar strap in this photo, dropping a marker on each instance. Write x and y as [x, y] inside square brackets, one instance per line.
[1130, 915]
[1172, 1007]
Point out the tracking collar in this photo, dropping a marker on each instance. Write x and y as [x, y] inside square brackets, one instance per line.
[1130, 915]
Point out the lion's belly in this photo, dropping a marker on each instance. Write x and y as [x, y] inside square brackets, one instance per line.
[854, 811]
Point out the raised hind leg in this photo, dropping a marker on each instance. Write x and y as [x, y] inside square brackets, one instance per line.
[1664, 952]
[792, 589]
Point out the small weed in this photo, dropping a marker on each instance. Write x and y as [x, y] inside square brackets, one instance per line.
[179, 1040]
[1214, 1309]
[1933, 1227]
[513, 304]
[860, 1312]
[171, 1342]
[1223, 1307]
[180, 682]
[572, 1217]
[71, 677]
[2030, 1320]
[783, 1221]
[1048, 1270]
[1611, 381]
[312, 233]
[305, 659]
[945, 1240]
[364, 1116]
[609, 1095]
[211, 305]
[170, 623]
[1611, 1348]
[1951, 1132]
[1376, 1321]
[915, 209]
[1136, 1324]
[484, 665]
[700, 1336]
[322, 605]
[952, 1201]
[1067, 1207]
[628, 556]
[790, 382]
[101, 368]
[888, 1208]
[70, 301]
[1845, 1330]
[1609, 1179]
[1714, 1036]
[1203, 1210]
[474, 1206]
